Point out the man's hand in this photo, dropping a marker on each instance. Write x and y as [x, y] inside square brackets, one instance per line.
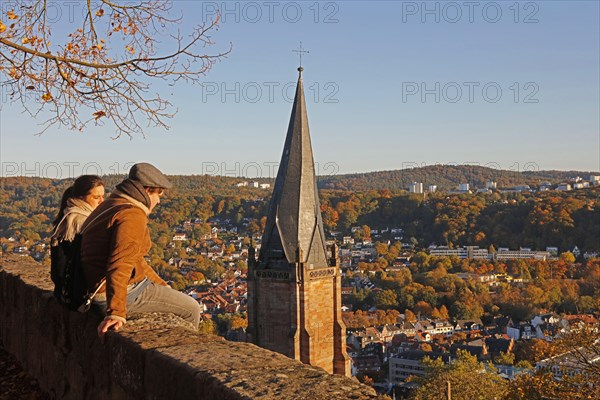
[106, 324]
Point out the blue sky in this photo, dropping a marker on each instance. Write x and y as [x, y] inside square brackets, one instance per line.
[388, 85]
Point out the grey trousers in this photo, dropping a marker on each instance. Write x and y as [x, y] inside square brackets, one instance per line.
[146, 296]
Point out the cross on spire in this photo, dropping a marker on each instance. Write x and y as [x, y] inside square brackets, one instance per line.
[300, 50]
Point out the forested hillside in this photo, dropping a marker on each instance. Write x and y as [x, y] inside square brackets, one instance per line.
[537, 220]
[448, 177]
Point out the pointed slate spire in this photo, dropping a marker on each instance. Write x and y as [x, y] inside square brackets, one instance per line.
[294, 229]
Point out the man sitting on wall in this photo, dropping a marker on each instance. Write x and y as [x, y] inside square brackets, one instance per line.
[114, 242]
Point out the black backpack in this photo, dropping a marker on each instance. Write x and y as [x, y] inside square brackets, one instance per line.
[70, 288]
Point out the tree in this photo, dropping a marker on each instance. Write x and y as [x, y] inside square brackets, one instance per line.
[381, 248]
[423, 308]
[409, 316]
[207, 327]
[238, 322]
[422, 259]
[393, 252]
[584, 347]
[358, 297]
[330, 216]
[567, 257]
[539, 386]
[524, 364]
[444, 312]
[458, 337]
[366, 231]
[366, 379]
[505, 358]
[223, 322]
[106, 65]
[534, 350]
[582, 382]
[468, 379]
[426, 347]
[391, 317]
[385, 299]
[179, 283]
[480, 237]
[200, 230]
[435, 314]
[195, 277]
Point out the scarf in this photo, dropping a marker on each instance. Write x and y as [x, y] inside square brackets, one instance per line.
[135, 193]
[76, 212]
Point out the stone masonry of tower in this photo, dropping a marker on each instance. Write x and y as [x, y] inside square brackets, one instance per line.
[294, 287]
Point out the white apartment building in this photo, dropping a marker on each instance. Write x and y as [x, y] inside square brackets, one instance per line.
[505, 254]
[466, 252]
[416, 187]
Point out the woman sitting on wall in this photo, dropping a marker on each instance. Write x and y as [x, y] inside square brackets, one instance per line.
[77, 203]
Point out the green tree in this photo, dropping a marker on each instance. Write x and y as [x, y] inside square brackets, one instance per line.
[421, 259]
[385, 299]
[468, 379]
[505, 358]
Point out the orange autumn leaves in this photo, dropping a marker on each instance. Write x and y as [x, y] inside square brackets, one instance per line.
[76, 46]
[11, 16]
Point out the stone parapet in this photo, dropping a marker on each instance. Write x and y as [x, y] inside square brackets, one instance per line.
[154, 356]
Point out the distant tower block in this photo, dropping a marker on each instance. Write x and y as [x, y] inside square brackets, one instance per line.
[294, 287]
[416, 187]
[491, 185]
[432, 188]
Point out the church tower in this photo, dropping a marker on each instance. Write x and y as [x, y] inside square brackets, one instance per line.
[294, 287]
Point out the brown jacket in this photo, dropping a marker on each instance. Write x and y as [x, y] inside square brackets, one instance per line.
[113, 246]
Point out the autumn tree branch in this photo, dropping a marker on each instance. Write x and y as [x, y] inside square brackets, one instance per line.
[106, 66]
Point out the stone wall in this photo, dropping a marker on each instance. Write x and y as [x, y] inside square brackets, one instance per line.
[154, 356]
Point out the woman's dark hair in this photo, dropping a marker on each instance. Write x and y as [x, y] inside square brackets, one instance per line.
[80, 188]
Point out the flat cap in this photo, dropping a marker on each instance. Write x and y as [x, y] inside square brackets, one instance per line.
[148, 175]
